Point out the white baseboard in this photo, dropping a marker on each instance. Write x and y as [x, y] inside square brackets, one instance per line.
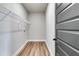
[50, 50]
[22, 46]
[36, 40]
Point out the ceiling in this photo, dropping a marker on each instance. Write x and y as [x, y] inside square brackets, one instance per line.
[35, 7]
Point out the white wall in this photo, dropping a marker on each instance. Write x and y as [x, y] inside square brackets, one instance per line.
[12, 26]
[50, 27]
[37, 27]
[16, 8]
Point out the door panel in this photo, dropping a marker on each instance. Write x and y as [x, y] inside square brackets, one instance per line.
[70, 37]
[58, 4]
[68, 49]
[69, 25]
[60, 52]
[62, 7]
[69, 13]
[67, 30]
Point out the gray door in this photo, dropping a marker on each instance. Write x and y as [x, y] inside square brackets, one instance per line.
[67, 29]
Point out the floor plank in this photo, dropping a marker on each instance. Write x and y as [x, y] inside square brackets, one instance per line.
[35, 49]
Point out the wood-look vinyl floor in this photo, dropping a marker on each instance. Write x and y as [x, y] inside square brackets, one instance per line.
[35, 49]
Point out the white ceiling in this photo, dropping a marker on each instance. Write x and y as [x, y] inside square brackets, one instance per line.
[35, 7]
